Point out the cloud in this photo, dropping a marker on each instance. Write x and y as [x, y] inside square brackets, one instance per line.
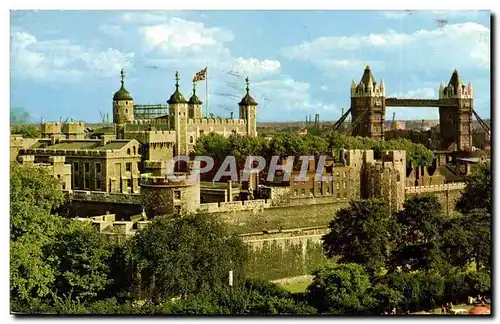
[61, 60]
[434, 14]
[253, 66]
[113, 30]
[453, 45]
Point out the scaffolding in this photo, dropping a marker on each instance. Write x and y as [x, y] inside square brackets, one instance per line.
[150, 111]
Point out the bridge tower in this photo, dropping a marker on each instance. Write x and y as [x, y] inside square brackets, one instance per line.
[368, 106]
[455, 120]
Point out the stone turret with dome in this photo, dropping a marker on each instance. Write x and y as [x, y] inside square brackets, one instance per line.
[248, 111]
[195, 104]
[123, 107]
[177, 96]
[122, 93]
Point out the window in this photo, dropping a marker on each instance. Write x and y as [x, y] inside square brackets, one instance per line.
[177, 194]
[98, 184]
[139, 166]
[338, 185]
[338, 195]
[327, 190]
[338, 174]
[64, 186]
[75, 166]
[98, 167]
[126, 110]
[128, 151]
[134, 150]
[58, 176]
[177, 210]
[345, 185]
[345, 174]
[86, 170]
[345, 195]
[303, 192]
[128, 167]
[296, 192]
[311, 191]
[191, 139]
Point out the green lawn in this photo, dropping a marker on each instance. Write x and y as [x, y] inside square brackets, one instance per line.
[297, 286]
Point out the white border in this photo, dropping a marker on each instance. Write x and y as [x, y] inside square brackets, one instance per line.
[191, 4]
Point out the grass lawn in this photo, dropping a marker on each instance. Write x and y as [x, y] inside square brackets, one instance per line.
[297, 286]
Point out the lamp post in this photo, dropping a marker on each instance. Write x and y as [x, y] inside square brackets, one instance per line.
[231, 290]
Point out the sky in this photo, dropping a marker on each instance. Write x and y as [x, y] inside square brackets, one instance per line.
[66, 64]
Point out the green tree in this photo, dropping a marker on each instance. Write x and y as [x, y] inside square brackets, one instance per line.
[361, 233]
[418, 234]
[176, 256]
[80, 258]
[27, 131]
[384, 298]
[33, 195]
[341, 289]
[467, 238]
[477, 193]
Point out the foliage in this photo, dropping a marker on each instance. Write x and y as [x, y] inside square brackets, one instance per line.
[341, 289]
[467, 238]
[19, 115]
[384, 298]
[479, 282]
[33, 194]
[27, 131]
[361, 234]
[179, 256]
[417, 153]
[79, 256]
[419, 227]
[477, 193]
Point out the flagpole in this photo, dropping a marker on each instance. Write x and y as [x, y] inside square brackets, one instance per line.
[206, 89]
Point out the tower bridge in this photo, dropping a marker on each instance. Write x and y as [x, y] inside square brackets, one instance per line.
[455, 104]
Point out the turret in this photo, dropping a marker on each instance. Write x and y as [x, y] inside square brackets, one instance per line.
[123, 107]
[248, 111]
[178, 111]
[194, 104]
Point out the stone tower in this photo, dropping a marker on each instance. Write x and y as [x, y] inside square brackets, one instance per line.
[123, 108]
[178, 111]
[455, 120]
[248, 111]
[194, 105]
[368, 95]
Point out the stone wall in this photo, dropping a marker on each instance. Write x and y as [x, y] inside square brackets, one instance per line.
[447, 194]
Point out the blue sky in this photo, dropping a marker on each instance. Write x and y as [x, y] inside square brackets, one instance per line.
[65, 64]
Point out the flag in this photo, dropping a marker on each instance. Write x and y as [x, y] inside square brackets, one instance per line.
[200, 76]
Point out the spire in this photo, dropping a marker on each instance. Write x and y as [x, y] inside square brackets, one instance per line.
[122, 93]
[177, 96]
[353, 84]
[194, 100]
[123, 77]
[247, 81]
[382, 85]
[367, 77]
[455, 80]
[247, 99]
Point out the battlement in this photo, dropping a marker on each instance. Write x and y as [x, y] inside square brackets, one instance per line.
[57, 159]
[435, 188]
[234, 206]
[156, 121]
[152, 136]
[216, 121]
[149, 180]
[73, 128]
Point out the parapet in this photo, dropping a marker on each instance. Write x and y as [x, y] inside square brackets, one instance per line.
[26, 159]
[57, 159]
[216, 121]
[73, 128]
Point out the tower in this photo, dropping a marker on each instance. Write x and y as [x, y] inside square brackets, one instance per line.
[368, 106]
[178, 111]
[248, 111]
[123, 107]
[455, 119]
[194, 105]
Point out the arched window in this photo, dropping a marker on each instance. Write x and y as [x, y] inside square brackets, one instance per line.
[191, 139]
[126, 111]
[58, 176]
[134, 150]
[128, 151]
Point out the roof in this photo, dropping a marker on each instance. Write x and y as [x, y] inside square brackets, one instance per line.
[455, 80]
[177, 96]
[122, 93]
[247, 100]
[194, 100]
[367, 77]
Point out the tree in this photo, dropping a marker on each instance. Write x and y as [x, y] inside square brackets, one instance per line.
[384, 298]
[419, 228]
[467, 238]
[341, 289]
[175, 257]
[361, 233]
[27, 131]
[33, 195]
[80, 257]
[477, 193]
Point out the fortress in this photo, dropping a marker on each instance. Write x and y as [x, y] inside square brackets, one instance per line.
[116, 179]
